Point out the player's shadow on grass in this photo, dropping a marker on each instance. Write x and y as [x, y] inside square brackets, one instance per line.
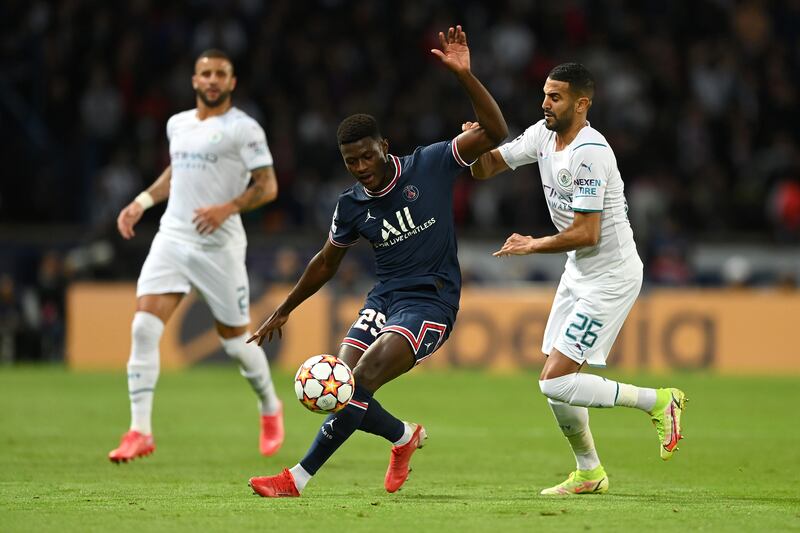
[466, 498]
[694, 498]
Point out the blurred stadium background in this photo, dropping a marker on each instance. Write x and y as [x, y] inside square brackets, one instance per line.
[698, 100]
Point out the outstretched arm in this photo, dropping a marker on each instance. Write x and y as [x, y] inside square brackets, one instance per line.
[492, 127]
[489, 164]
[264, 189]
[132, 213]
[318, 272]
[584, 231]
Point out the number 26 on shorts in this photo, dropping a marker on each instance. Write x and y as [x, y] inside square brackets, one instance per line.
[582, 331]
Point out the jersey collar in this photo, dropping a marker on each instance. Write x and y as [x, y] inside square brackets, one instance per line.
[397, 171]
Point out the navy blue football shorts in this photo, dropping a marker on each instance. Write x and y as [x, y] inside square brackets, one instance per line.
[420, 316]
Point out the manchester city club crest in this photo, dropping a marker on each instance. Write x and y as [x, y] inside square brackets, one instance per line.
[564, 179]
[215, 137]
[410, 193]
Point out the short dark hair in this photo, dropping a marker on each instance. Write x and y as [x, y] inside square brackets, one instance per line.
[356, 127]
[214, 53]
[579, 78]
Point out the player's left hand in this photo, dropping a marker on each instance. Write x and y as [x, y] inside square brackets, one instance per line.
[455, 52]
[516, 244]
[208, 219]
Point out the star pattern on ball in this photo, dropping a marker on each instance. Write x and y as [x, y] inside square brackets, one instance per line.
[319, 381]
[331, 360]
[331, 385]
[310, 403]
[304, 374]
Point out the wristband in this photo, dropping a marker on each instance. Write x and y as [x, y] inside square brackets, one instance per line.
[145, 199]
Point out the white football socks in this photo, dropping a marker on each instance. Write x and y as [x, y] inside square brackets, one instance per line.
[255, 369]
[301, 477]
[143, 366]
[408, 432]
[587, 390]
[574, 423]
[638, 397]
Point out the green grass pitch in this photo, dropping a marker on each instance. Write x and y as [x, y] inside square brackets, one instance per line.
[493, 445]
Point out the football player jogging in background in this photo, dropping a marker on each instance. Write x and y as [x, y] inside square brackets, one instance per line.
[403, 207]
[602, 277]
[215, 151]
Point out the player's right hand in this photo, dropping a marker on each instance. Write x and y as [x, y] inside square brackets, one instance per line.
[268, 328]
[516, 244]
[128, 218]
[470, 126]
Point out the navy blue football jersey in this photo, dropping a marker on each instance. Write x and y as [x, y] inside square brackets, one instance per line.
[409, 223]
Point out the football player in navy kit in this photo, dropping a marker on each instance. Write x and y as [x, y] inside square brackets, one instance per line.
[403, 207]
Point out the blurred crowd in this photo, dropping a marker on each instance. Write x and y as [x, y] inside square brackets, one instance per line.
[698, 100]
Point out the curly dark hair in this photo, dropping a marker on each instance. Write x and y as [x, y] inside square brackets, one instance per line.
[356, 127]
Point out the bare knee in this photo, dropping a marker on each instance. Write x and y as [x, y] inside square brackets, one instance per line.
[557, 365]
[388, 357]
[368, 374]
[550, 373]
[160, 305]
[350, 355]
[229, 332]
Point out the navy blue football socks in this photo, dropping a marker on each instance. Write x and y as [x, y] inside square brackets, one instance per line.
[336, 429]
[364, 413]
[379, 421]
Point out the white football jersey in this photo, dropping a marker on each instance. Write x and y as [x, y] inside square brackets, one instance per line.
[582, 177]
[211, 163]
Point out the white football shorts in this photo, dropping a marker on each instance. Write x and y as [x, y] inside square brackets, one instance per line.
[218, 274]
[587, 315]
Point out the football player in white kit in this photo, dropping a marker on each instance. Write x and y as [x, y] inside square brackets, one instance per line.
[602, 277]
[215, 151]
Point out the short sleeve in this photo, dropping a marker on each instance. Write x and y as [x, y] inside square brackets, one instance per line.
[343, 233]
[589, 167]
[439, 161]
[457, 156]
[253, 148]
[442, 156]
[170, 125]
[524, 149]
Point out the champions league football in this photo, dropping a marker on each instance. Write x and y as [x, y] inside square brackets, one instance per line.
[324, 384]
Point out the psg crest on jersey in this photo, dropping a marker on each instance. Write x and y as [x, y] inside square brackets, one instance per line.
[410, 193]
